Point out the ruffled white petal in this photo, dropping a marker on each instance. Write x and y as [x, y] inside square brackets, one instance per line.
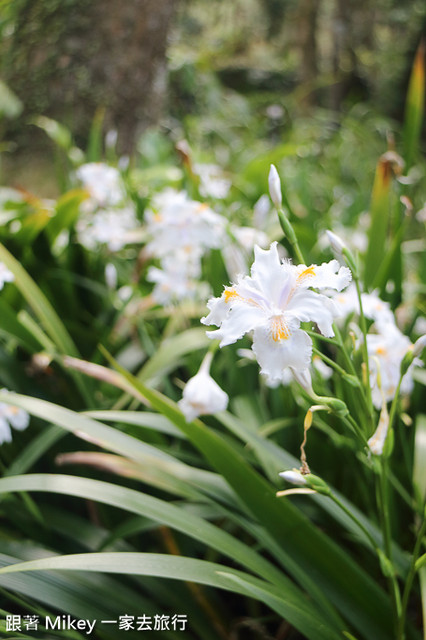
[268, 273]
[241, 319]
[308, 306]
[328, 275]
[274, 356]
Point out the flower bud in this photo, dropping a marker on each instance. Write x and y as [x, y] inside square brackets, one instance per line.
[294, 476]
[335, 242]
[202, 395]
[274, 183]
[419, 345]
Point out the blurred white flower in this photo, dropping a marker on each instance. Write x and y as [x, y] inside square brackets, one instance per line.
[111, 227]
[386, 350]
[180, 231]
[111, 275]
[261, 212]
[373, 307]
[272, 303]
[5, 275]
[11, 416]
[177, 222]
[236, 254]
[212, 181]
[202, 395]
[175, 284]
[103, 183]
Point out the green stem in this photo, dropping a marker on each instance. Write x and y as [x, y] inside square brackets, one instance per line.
[387, 537]
[353, 426]
[394, 404]
[409, 582]
[365, 350]
[314, 334]
[352, 370]
[287, 227]
[330, 362]
[355, 519]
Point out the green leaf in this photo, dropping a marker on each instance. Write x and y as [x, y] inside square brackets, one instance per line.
[171, 350]
[414, 108]
[422, 576]
[39, 303]
[301, 614]
[352, 591]
[56, 132]
[11, 326]
[145, 419]
[67, 211]
[275, 459]
[163, 512]
[10, 104]
[419, 467]
[380, 213]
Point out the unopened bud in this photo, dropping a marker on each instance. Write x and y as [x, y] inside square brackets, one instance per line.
[419, 345]
[274, 183]
[336, 243]
[294, 476]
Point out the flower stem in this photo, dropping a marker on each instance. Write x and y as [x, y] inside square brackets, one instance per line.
[409, 581]
[387, 537]
[352, 370]
[287, 227]
[355, 519]
[365, 350]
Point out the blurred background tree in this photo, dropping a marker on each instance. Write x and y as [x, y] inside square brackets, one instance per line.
[68, 58]
[145, 61]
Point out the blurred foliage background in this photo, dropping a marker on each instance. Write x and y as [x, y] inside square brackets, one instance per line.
[207, 70]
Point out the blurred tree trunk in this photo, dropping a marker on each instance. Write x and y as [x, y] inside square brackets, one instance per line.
[67, 59]
[307, 20]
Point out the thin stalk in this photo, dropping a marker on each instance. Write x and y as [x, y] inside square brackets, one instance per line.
[314, 334]
[364, 349]
[353, 371]
[353, 426]
[330, 362]
[287, 227]
[387, 537]
[355, 519]
[409, 582]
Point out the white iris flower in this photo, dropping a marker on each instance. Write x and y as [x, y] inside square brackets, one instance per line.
[272, 303]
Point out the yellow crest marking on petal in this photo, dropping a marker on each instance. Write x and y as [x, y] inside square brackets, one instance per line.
[279, 329]
[230, 294]
[306, 273]
[381, 351]
[202, 207]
